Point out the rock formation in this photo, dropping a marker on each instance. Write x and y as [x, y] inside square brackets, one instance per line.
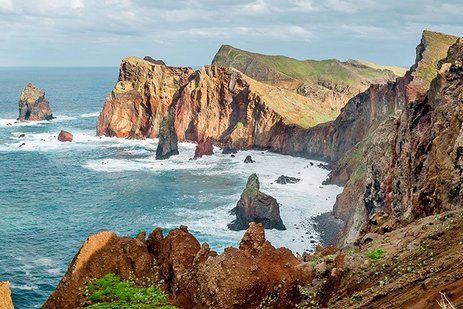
[248, 160]
[220, 103]
[101, 254]
[255, 206]
[5, 296]
[65, 136]
[154, 61]
[168, 143]
[205, 147]
[33, 105]
[329, 81]
[286, 179]
[193, 275]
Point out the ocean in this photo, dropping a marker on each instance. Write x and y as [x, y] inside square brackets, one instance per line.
[54, 195]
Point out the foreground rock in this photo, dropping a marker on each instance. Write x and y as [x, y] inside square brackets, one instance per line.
[205, 147]
[101, 254]
[287, 179]
[65, 136]
[33, 105]
[5, 296]
[168, 143]
[255, 206]
[193, 275]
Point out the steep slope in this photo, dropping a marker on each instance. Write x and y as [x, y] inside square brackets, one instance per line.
[404, 163]
[329, 81]
[220, 103]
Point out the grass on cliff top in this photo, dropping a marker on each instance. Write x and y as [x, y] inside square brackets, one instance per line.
[303, 70]
[111, 292]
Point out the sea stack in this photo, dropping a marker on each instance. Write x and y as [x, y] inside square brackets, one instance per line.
[33, 106]
[168, 142]
[255, 206]
[205, 147]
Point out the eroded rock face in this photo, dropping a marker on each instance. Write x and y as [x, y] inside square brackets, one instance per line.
[258, 207]
[33, 105]
[101, 254]
[65, 136]
[205, 147]
[5, 296]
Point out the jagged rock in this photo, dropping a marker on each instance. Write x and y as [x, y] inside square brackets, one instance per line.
[229, 150]
[5, 296]
[154, 61]
[248, 159]
[65, 136]
[101, 254]
[205, 147]
[287, 179]
[168, 143]
[33, 105]
[255, 206]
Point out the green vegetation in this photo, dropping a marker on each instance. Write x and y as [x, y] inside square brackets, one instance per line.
[375, 255]
[112, 292]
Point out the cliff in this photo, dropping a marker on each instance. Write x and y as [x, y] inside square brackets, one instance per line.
[391, 141]
[331, 81]
[5, 296]
[220, 103]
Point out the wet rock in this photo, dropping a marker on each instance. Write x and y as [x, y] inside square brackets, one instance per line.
[65, 136]
[22, 135]
[229, 150]
[287, 179]
[33, 105]
[205, 147]
[248, 159]
[255, 206]
[22, 144]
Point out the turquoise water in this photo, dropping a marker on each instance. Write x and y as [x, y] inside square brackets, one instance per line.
[54, 195]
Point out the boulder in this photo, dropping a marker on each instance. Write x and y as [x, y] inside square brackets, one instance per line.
[22, 135]
[65, 136]
[205, 147]
[249, 160]
[287, 179]
[33, 105]
[229, 150]
[5, 296]
[255, 206]
[168, 142]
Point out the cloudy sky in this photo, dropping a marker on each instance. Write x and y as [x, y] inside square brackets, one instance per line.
[189, 32]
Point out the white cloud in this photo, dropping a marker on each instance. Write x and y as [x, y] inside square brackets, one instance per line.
[6, 5]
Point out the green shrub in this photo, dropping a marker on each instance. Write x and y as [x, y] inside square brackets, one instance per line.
[112, 292]
[376, 255]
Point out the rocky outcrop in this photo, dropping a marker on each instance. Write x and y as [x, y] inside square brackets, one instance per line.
[101, 254]
[205, 147]
[255, 206]
[256, 273]
[286, 179]
[220, 103]
[65, 136]
[5, 296]
[33, 105]
[168, 143]
[393, 167]
[154, 61]
[330, 82]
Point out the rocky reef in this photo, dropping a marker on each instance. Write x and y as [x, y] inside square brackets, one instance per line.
[33, 105]
[255, 206]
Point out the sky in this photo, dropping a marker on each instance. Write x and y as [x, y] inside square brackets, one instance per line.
[189, 32]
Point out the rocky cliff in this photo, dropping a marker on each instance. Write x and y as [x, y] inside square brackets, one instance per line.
[5, 296]
[329, 81]
[220, 103]
[387, 143]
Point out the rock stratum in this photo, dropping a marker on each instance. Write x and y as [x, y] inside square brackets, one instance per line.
[33, 105]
